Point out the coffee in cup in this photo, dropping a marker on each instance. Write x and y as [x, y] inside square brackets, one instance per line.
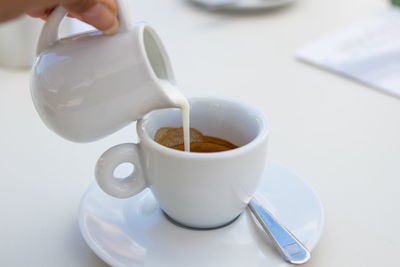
[174, 138]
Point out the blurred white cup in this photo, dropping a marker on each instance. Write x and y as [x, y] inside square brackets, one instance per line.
[18, 39]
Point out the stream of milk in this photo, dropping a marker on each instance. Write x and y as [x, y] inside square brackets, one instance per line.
[181, 101]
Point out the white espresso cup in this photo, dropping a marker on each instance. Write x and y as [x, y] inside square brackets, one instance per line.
[200, 190]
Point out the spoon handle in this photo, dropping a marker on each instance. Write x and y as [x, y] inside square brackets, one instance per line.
[291, 249]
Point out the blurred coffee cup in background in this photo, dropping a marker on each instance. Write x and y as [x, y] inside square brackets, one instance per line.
[18, 39]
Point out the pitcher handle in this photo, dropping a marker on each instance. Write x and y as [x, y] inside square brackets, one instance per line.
[49, 34]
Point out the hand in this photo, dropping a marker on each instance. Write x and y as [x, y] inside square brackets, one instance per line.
[101, 14]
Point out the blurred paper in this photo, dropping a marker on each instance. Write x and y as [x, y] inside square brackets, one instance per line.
[368, 52]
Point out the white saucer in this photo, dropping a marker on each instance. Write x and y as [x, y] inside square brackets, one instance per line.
[250, 4]
[135, 232]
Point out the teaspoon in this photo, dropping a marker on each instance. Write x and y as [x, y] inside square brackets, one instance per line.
[291, 249]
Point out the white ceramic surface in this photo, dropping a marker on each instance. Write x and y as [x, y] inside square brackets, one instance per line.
[202, 190]
[88, 86]
[134, 232]
[247, 4]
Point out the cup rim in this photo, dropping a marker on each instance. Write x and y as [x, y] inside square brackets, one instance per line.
[145, 138]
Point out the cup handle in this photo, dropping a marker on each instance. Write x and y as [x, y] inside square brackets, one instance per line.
[49, 34]
[106, 164]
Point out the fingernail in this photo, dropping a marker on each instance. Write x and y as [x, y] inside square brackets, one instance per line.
[101, 17]
[113, 29]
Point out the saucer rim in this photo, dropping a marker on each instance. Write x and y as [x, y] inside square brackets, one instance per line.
[313, 245]
[85, 234]
[110, 261]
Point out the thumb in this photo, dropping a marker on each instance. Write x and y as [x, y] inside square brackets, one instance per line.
[101, 14]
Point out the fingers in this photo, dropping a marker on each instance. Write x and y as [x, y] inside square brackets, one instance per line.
[10, 9]
[102, 14]
[41, 13]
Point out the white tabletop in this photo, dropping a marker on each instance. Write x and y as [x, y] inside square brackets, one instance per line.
[340, 136]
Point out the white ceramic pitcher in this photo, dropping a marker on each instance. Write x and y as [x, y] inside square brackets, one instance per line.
[88, 86]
